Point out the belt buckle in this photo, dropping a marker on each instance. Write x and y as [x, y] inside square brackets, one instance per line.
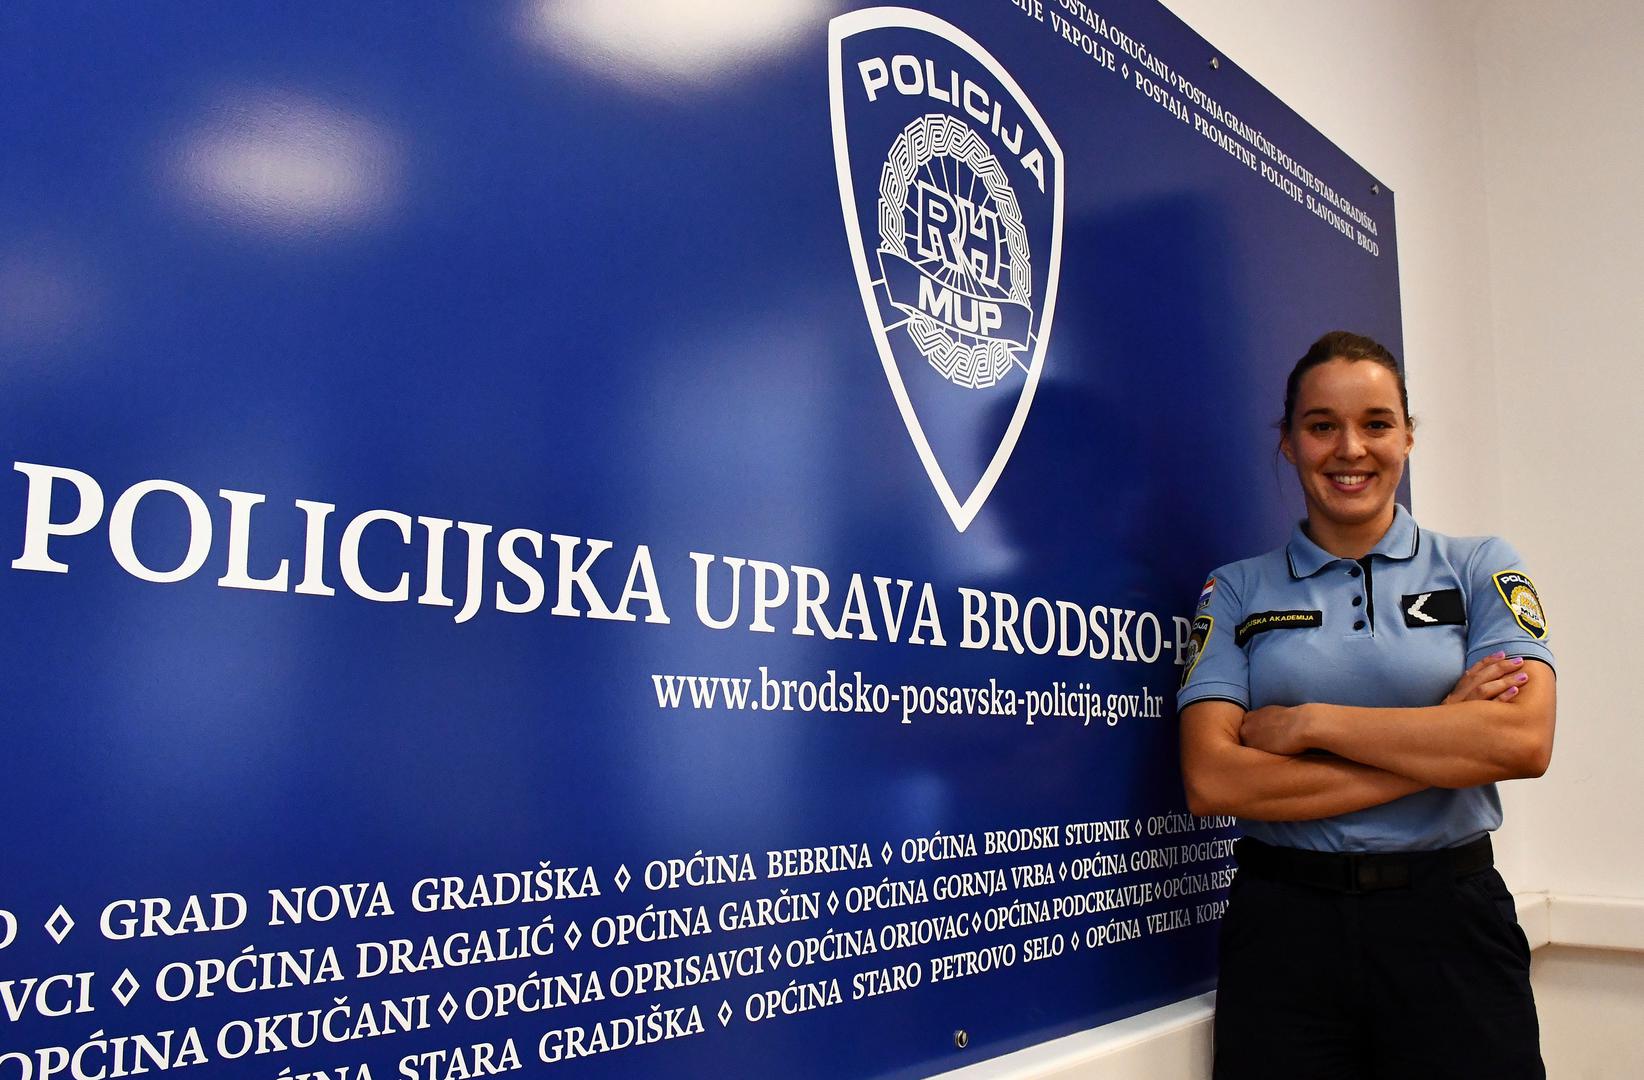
[1357, 868]
[1367, 873]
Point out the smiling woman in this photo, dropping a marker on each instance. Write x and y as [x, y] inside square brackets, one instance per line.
[1353, 697]
[1347, 430]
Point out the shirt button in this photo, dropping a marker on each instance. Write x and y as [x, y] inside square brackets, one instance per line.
[1357, 600]
[1359, 625]
[1353, 572]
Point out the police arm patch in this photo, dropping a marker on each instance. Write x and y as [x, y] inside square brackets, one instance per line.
[1197, 643]
[1518, 592]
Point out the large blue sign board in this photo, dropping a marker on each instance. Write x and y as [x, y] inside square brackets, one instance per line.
[620, 539]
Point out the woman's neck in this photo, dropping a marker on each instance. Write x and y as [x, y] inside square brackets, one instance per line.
[1349, 541]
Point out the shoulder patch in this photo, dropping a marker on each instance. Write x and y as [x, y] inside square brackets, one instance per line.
[1206, 593]
[1437, 607]
[1263, 621]
[1518, 592]
[1197, 643]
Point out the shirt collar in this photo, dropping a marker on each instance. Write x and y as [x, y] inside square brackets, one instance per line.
[1401, 541]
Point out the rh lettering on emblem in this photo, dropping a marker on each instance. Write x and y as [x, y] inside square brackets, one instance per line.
[951, 187]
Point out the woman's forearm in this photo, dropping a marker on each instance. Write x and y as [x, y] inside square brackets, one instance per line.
[1452, 746]
[1271, 787]
[1461, 744]
[1223, 777]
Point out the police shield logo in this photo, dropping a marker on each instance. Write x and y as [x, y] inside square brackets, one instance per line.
[951, 187]
[1203, 625]
[1519, 593]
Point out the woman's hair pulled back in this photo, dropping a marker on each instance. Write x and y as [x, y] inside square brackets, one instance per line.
[1344, 345]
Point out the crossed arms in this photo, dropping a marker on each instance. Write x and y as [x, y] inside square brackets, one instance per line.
[1497, 724]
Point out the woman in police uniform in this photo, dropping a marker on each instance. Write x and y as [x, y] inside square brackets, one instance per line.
[1353, 697]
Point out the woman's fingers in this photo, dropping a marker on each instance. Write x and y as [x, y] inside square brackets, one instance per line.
[1494, 688]
[1475, 676]
[1487, 680]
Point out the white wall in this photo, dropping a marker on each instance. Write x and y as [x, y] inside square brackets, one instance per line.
[1564, 148]
[1509, 131]
[1589, 1004]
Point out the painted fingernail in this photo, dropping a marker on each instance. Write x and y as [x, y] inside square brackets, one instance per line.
[1521, 678]
[1498, 655]
[1510, 691]
[1516, 660]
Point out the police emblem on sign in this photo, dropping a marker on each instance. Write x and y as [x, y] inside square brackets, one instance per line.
[951, 187]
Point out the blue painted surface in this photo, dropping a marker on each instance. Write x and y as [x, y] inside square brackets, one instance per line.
[459, 262]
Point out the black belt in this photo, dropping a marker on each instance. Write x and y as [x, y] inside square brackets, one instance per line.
[1357, 872]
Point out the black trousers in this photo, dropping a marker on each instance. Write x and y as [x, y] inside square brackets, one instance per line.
[1431, 979]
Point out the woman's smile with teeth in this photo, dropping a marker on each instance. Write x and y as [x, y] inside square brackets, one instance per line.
[1348, 438]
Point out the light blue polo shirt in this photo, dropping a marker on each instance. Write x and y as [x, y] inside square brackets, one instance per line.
[1394, 629]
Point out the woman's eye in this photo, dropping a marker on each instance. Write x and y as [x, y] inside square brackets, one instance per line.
[1322, 427]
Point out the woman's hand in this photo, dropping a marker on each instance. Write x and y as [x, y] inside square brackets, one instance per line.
[1495, 678]
[1276, 729]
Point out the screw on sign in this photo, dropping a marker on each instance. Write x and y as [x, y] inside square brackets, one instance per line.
[961, 1038]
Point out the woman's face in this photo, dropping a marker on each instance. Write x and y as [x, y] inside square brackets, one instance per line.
[1348, 439]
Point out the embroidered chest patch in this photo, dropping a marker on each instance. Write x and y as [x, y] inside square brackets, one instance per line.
[1263, 621]
[1438, 607]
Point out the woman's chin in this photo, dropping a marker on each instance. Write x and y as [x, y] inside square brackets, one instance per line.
[1351, 510]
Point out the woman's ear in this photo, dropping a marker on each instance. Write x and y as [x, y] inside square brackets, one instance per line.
[1288, 450]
